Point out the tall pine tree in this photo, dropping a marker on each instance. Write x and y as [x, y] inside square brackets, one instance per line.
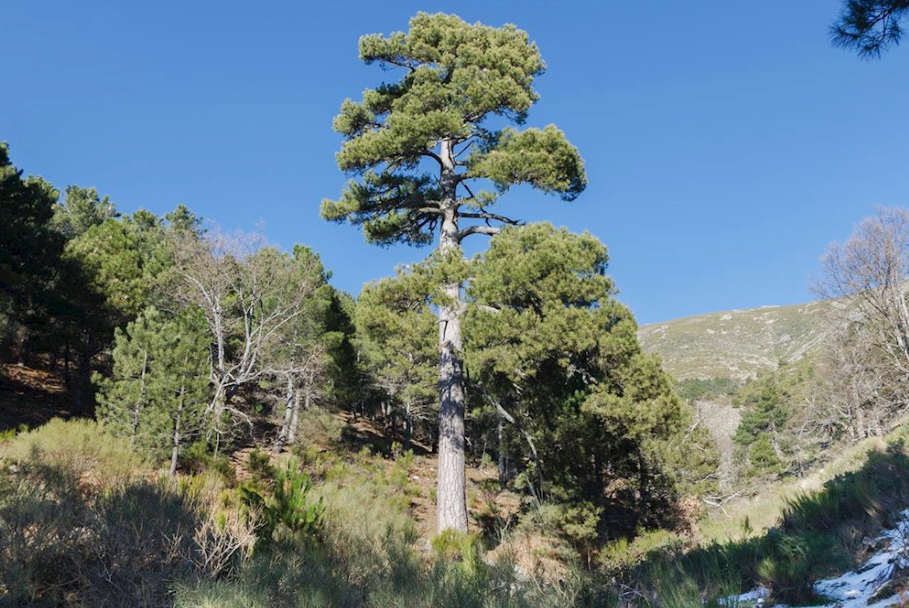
[421, 146]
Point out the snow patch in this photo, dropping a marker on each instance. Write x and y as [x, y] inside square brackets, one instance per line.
[856, 588]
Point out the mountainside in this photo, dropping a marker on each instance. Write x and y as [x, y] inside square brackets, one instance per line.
[736, 343]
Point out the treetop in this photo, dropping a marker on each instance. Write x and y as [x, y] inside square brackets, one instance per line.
[456, 75]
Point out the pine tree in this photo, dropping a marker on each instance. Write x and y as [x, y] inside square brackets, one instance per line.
[29, 251]
[870, 26]
[395, 329]
[159, 387]
[123, 261]
[557, 357]
[417, 144]
[81, 209]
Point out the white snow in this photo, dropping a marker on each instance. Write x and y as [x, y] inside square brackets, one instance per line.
[854, 589]
[755, 597]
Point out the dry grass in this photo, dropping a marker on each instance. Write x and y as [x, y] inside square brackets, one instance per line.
[752, 515]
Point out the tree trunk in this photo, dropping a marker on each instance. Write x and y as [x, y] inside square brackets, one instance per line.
[500, 447]
[451, 508]
[175, 451]
[83, 380]
[281, 441]
[138, 405]
[67, 379]
[295, 417]
[408, 425]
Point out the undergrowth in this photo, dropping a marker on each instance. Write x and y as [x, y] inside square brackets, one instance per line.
[819, 534]
[83, 521]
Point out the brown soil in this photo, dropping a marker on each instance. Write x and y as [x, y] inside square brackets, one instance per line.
[30, 396]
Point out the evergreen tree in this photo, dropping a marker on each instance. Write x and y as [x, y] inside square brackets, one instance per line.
[159, 387]
[395, 328]
[348, 383]
[123, 261]
[29, 252]
[762, 433]
[870, 26]
[418, 143]
[557, 357]
[81, 209]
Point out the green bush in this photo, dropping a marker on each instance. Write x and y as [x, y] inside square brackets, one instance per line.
[287, 511]
[200, 457]
[79, 446]
[763, 456]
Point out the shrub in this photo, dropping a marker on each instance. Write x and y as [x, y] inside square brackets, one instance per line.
[287, 512]
[78, 446]
[80, 528]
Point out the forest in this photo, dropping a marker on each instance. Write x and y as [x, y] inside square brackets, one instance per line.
[191, 416]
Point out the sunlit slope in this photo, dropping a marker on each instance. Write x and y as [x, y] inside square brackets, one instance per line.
[737, 343]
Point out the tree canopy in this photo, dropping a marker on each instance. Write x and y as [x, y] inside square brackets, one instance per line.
[456, 75]
[870, 27]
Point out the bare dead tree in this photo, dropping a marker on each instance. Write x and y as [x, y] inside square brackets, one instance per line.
[300, 375]
[250, 294]
[866, 364]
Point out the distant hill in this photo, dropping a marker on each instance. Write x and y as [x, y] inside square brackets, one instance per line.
[736, 343]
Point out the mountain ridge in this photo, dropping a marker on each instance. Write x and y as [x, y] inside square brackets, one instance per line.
[738, 343]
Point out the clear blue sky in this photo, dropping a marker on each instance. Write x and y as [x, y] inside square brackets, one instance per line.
[727, 143]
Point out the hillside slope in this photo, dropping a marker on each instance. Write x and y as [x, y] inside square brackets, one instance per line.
[736, 343]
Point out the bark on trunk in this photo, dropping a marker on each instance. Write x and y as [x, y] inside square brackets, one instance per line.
[500, 447]
[138, 405]
[175, 450]
[281, 441]
[408, 428]
[451, 509]
[295, 417]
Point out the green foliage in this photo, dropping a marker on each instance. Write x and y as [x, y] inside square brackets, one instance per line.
[773, 405]
[457, 75]
[870, 26]
[124, 260]
[763, 455]
[82, 208]
[159, 385]
[30, 251]
[287, 510]
[694, 389]
[199, 457]
[7, 434]
[77, 445]
[396, 342]
[456, 546]
[765, 403]
[550, 347]
[541, 158]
